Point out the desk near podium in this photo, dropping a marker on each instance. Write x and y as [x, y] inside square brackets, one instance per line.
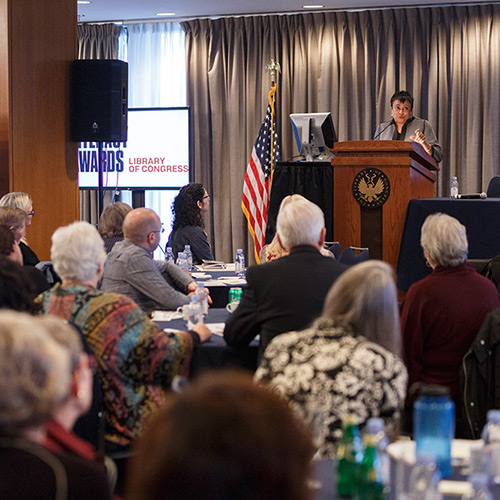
[480, 217]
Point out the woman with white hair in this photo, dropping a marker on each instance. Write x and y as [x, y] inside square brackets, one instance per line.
[441, 314]
[348, 361]
[24, 202]
[35, 381]
[136, 359]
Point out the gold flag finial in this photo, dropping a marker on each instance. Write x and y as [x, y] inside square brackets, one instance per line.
[273, 67]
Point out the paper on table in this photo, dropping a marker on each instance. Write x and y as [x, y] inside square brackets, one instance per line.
[201, 276]
[215, 328]
[165, 315]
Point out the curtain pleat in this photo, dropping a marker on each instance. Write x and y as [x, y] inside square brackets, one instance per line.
[349, 63]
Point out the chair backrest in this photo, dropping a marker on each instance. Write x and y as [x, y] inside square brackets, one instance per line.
[478, 264]
[494, 187]
[48, 271]
[335, 248]
[354, 255]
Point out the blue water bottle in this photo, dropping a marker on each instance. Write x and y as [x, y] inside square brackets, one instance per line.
[434, 425]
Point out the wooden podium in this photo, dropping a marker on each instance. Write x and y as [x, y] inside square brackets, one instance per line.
[407, 173]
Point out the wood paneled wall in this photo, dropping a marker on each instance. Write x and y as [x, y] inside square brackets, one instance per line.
[38, 41]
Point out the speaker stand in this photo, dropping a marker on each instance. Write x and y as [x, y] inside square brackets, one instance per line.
[100, 189]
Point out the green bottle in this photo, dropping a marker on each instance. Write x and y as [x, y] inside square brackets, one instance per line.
[370, 484]
[349, 457]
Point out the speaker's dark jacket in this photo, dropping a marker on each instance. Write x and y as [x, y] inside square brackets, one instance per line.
[283, 295]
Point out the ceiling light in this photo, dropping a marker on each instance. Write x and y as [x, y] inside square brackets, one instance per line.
[313, 6]
[83, 2]
[166, 14]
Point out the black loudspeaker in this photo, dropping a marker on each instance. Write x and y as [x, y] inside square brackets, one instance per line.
[99, 95]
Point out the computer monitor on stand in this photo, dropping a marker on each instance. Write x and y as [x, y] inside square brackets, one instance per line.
[314, 134]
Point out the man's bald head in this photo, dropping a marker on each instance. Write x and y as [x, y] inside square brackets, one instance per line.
[139, 224]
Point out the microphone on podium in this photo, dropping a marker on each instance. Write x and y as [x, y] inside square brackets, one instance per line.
[472, 196]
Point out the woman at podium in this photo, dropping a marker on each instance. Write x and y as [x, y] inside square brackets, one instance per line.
[403, 126]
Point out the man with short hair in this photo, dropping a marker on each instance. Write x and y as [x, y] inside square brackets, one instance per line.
[288, 293]
[131, 270]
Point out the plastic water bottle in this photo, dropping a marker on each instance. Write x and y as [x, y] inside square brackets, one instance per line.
[491, 438]
[169, 255]
[350, 453]
[196, 308]
[454, 188]
[376, 427]
[479, 490]
[189, 256]
[434, 425]
[239, 263]
[182, 262]
[370, 483]
[424, 479]
[203, 295]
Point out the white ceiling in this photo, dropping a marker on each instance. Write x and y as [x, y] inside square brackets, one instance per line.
[135, 10]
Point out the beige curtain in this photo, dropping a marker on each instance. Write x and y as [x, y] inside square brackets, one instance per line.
[349, 63]
[96, 41]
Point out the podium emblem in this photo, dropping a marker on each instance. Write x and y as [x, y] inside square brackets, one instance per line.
[371, 188]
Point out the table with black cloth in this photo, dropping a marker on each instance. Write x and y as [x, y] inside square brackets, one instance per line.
[219, 293]
[216, 354]
[311, 179]
[480, 217]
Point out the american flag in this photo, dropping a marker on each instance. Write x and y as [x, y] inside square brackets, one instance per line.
[257, 183]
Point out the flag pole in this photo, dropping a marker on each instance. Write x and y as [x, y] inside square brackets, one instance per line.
[258, 177]
[273, 68]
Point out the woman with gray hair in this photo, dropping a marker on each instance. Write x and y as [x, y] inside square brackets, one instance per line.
[441, 314]
[348, 361]
[35, 381]
[136, 359]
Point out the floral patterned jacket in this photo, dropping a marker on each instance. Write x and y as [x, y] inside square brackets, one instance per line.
[327, 372]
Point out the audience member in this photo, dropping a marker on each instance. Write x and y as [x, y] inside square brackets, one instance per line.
[136, 359]
[9, 249]
[111, 224]
[188, 227]
[131, 270]
[15, 220]
[441, 314]
[288, 293]
[60, 438]
[24, 202]
[16, 291]
[34, 381]
[348, 361]
[274, 250]
[223, 438]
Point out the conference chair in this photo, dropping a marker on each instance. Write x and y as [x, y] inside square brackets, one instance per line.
[494, 187]
[48, 270]
[478, 264]
[334, 247]
[354, 255]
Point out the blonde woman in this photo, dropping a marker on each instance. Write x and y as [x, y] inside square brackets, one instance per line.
[275, 250]
[23, 202]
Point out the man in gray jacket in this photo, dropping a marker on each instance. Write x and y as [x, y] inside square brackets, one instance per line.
[131, 270]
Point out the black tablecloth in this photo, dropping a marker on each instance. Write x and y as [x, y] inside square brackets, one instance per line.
[220, 293]
[480, 217]
[216, 354]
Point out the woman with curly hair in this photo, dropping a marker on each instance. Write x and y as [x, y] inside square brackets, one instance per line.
[188, 227]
